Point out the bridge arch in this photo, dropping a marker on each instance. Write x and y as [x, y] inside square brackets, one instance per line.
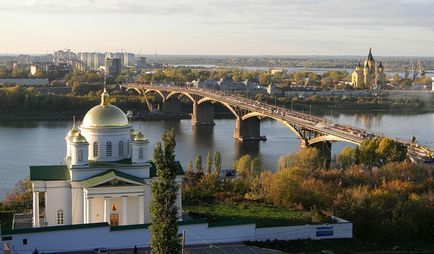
[205, 99]
[181, 93]
[288, 125]
[330, 138]
[156, 91]
[135, 89]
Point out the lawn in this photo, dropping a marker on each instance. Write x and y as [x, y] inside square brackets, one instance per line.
[265, 215]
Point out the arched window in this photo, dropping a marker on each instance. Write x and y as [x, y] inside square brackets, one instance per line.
[80, 155]
[60, 217]
[108, 148]
[95, 149]
[121, 148]
[141, 153]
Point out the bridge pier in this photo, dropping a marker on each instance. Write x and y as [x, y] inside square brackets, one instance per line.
[172, 106]
[324, 149]
[203, 114]
[248, 129]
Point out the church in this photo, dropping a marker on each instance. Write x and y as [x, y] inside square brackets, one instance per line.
[106, 176]
[370, 75]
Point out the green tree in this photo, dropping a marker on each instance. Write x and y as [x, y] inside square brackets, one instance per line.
[208, 163]
[164, 212]
[199, 166]
[217, 163]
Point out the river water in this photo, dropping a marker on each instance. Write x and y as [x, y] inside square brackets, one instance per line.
[25, 143]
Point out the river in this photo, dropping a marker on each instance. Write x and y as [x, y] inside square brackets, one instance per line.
[25, 143]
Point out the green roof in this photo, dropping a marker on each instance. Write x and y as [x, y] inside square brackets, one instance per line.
[108, 175]
[153, 169]
[129, 227]
[53, 228]
[105, 224]
[122, 162]
[49, 173]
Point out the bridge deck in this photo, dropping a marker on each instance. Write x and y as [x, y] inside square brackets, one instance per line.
[321, 125]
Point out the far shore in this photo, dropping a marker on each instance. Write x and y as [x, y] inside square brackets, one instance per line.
[54, 116]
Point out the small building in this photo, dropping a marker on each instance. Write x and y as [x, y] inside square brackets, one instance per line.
[227, 84]
[432, 87]
[272, 89]
[206, 84]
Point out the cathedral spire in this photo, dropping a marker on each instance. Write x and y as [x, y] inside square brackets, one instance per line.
[370, 57]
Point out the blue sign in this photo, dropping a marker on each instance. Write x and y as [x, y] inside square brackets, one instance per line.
[324, 231]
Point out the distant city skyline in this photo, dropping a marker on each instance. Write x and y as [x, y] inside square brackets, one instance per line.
[224, 27]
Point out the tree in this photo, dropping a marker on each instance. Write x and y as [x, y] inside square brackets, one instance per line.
[189, 174]
[199, 167]
[208, 163]
[217, 163]
[164, 212]
[20, 199]
[307, 159]
[190, 166]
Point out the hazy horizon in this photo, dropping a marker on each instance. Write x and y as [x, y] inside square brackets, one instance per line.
[220, 28]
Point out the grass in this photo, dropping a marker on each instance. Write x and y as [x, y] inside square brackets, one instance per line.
[342, 246]
[265, 215]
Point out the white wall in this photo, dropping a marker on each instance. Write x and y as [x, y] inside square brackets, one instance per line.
[102, 236]
[58, 197]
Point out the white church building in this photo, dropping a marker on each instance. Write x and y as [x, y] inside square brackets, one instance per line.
[106, 176]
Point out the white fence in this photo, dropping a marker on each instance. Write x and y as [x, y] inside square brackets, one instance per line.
[90, 236]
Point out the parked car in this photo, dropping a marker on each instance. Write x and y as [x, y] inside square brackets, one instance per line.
[100, 251]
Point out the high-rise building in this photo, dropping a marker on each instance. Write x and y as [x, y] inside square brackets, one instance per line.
[93, 59]
[112, 68]
[142, 63]
[64, 56]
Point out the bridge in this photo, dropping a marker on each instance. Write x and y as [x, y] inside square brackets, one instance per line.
[312, 131]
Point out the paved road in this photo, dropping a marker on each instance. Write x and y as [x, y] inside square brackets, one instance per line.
[234, 248]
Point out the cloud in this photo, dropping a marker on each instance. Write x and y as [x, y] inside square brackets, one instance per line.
[310, 22]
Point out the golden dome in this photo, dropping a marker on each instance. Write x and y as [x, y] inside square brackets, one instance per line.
[140, 137]
[74, 131]
[79, 139]
[133, 133]
[105, 115]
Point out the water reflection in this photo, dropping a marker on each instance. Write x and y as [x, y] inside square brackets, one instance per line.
[251, 147]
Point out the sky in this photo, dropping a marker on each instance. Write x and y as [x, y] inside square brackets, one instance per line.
[220, 27]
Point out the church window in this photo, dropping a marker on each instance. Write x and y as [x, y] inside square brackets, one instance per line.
[95, 149]
[60, 217]
[141, 153]
[80, 155]
[109, 149]
[121, 148]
